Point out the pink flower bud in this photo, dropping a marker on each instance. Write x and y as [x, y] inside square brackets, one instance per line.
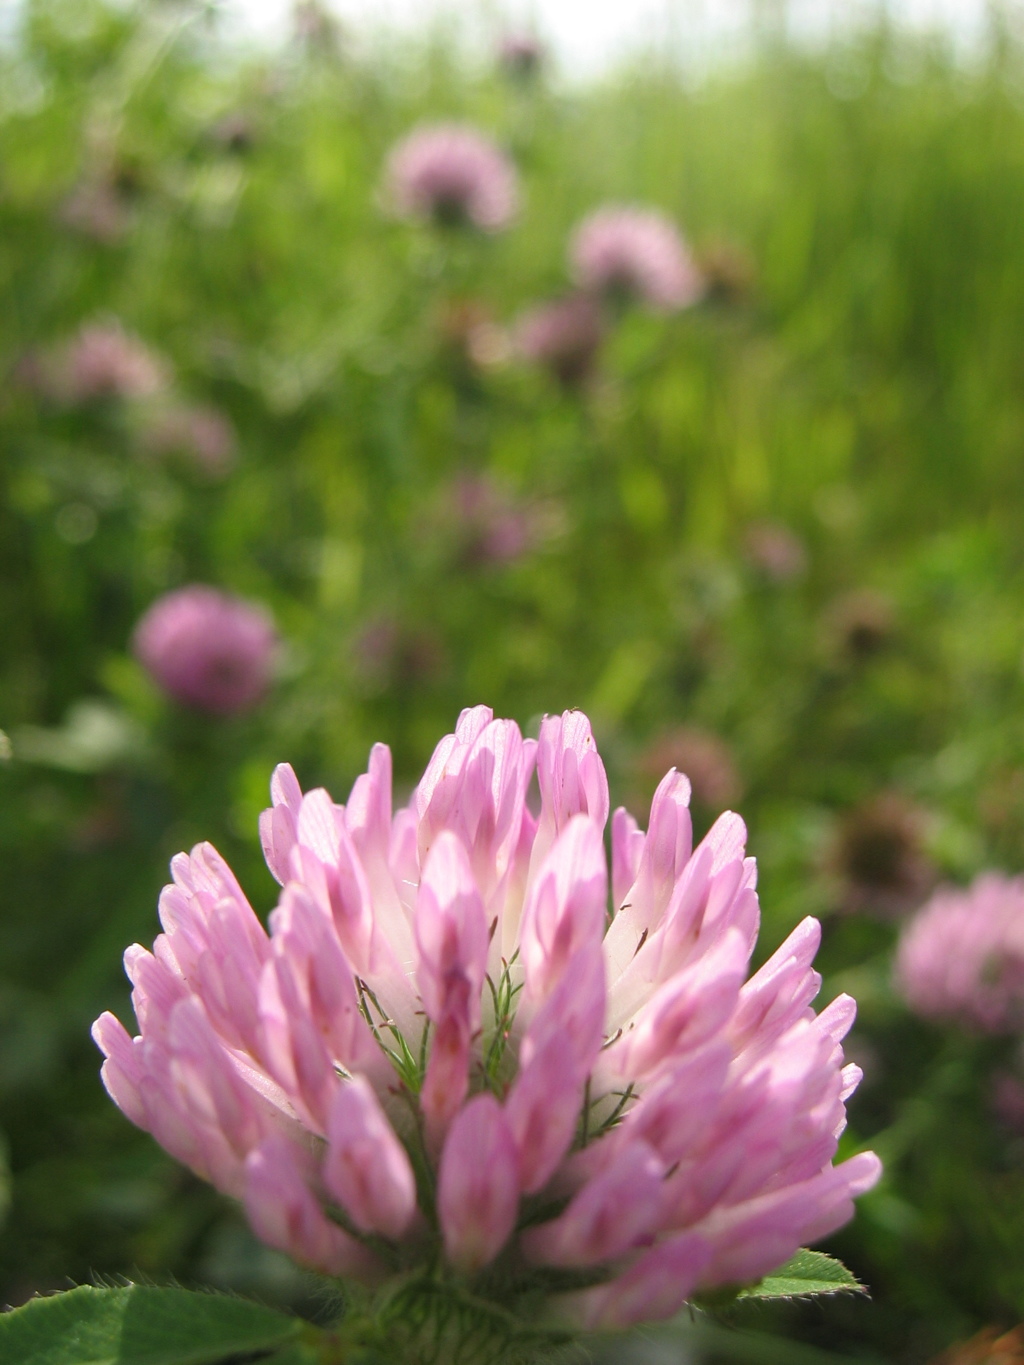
[122, 1069]
[477, 1186]
[279, 824]
[750, 1239]
[571, 775]
[451, 934]
[368, 816]
[543, 1109]
[609, 1216]
[303, 939]
[684, 1013]
[285, 1214]
[627, 850]
[565, 907]
[655, 1286]
[366, 1167]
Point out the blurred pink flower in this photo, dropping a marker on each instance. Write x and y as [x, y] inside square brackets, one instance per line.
[441, 991]
[207, 649]
[636, 252]
[1006, 1099]
[563, 335]
[96, 209]
[452, 174]
[774, 551]
[202, 434]
[487, 524]
[388, 652]
[105, 361]
[961, 958]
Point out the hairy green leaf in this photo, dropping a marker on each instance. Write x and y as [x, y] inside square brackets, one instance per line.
[141, 1325]
[809, 1272]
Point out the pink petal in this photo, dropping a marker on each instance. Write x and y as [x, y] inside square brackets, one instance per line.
[571, 775]
[278, 824]
[684, 1013]
[451, 933]
[608, 1216]
[543, 1109]
[627, 849]
[565, 906]
[366, 1167]
[655, 1287]
[573, 1014]
[122, 1069]
[284, 1213]
[752, 1239]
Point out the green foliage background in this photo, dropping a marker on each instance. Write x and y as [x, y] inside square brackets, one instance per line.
[863, 388]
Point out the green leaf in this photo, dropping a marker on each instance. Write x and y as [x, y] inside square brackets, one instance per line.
[809, 1272]
[140, 1325]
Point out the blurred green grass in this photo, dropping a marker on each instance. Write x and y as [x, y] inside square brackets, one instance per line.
[856, 381]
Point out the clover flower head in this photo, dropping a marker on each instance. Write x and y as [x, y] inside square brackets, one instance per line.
[207, 649]
[451, 1050]
[961, 958]
[637, 253]
[452, 174]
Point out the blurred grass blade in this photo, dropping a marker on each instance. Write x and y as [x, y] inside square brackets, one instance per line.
[758, 1348]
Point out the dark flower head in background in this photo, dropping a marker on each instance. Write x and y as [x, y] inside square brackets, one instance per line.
[520, 53]
[564, 336]
[877, 857]
[388, 653]
[860, 624]
[728, 271]
[96, 208]
[486, 524]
